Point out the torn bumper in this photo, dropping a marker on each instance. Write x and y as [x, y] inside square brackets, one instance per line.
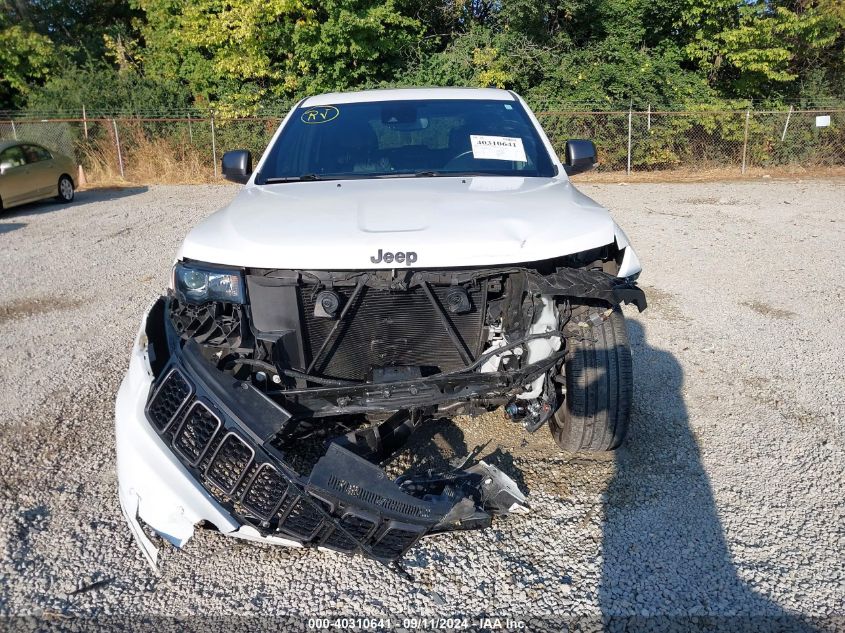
[193, 446]
[153, 486]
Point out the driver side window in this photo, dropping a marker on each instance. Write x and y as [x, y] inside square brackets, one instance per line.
[35, 154]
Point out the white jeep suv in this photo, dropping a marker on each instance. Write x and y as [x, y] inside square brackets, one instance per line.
[395, 256]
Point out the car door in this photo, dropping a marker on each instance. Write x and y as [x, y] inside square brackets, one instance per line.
[44, 180]
[14, 176]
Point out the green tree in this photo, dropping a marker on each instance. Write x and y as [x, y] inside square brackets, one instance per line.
[763, 49]
[482, 58]
[241, 53]
[76, 27]
[41, 38]
[102, 88]
[237, 55]
[604, 52]
[25, 59]
[350, 43]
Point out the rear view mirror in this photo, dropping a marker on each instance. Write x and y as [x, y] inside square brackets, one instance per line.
[237, 165]
[580, 156]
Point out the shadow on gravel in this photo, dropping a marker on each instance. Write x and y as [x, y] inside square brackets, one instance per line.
[82, 197]
[666, 565]
[11, 226]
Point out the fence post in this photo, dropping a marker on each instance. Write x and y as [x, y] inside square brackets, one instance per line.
[745, 140]
[190, 129]
[14, 131]
[628, 170]
[117, 142]
[213, 146]
[786, 125]
[649, 117]
[85, 122]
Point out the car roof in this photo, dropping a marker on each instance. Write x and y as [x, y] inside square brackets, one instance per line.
[405, 94]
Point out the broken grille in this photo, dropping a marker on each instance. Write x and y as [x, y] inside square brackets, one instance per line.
[238, 475]
[367, 496]
[397, 538]
[354, 526]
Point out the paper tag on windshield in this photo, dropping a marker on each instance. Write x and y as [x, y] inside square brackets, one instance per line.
[497, 147]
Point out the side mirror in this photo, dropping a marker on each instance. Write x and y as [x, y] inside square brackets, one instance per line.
[237, 165]
[580, 156]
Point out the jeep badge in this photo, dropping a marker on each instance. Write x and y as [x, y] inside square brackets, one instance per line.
[388, 258]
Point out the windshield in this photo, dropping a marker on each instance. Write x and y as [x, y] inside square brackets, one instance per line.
[407, 138]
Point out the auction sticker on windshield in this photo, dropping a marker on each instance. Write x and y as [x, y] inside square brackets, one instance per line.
[497, 147]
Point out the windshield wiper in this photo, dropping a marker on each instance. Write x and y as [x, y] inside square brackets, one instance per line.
[303, 178]
[407, 174]
[425, 173]
[430, 173]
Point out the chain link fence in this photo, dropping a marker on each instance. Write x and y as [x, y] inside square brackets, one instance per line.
[188, 148]
[727, 141]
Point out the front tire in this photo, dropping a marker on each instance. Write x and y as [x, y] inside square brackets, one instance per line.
[65, 189]
[599, 382]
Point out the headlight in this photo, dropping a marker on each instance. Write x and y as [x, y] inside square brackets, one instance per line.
[198, 284]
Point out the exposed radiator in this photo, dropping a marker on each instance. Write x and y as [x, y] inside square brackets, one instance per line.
[389, 329]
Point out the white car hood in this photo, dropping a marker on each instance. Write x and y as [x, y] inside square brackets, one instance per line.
[447, 222]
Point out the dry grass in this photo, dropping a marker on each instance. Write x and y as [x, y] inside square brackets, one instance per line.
[146, 160]
[174, 160]
[705, 174]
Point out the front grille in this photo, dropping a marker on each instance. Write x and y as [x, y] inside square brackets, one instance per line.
[195, 433]
[395, 540]
[265, 492]
[354, 528]
[302, 520]
[173, 392]
[390, 329]
[340, 510]
[230, 463]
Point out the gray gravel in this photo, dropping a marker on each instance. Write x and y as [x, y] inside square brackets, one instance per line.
[727, 499]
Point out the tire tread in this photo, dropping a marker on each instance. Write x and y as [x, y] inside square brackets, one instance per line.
[599, 386]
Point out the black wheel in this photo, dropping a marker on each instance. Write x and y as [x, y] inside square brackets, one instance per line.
[599, 383]
[65, 189]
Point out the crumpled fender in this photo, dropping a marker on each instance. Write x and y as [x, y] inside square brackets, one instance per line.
[588, 284]
[630, 261]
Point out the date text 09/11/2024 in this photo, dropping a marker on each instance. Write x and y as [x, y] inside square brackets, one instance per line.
[415, 623]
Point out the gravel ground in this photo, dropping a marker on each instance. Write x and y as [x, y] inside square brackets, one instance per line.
[726, 501]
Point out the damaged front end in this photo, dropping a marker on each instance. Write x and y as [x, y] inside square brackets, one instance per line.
[237, 387]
